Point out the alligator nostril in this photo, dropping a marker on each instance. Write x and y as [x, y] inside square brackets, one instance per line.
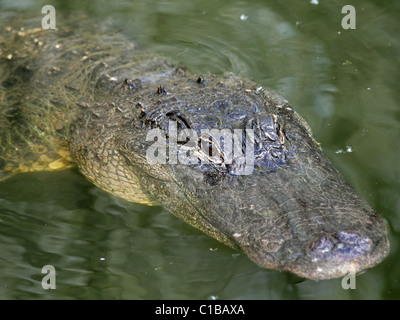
[348, 236]
[324, 244]
[342, 245]
[351, 245]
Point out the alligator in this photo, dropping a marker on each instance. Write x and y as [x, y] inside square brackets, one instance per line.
[140, 127]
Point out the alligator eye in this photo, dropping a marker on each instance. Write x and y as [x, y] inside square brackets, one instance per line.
[160, 119]
[272, 146]
[206, 145]
[210, 151]
[182, 122]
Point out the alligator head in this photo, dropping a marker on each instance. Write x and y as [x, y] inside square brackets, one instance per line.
[259, 182]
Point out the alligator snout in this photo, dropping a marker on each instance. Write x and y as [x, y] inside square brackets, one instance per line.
[333, 255]
[340, 246]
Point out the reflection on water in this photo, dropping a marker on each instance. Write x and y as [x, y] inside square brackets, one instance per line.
[345, 83]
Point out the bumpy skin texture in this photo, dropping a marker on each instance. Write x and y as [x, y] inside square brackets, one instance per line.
[99, 96]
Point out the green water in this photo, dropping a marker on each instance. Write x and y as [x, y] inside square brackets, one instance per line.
[344, 82]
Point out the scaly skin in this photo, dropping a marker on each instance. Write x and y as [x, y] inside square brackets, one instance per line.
[78, 95]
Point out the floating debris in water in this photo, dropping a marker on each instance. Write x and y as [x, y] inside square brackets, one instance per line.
[349, 149]
[316, 2]
[243, 17]
[364, 131]
[213, 297]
